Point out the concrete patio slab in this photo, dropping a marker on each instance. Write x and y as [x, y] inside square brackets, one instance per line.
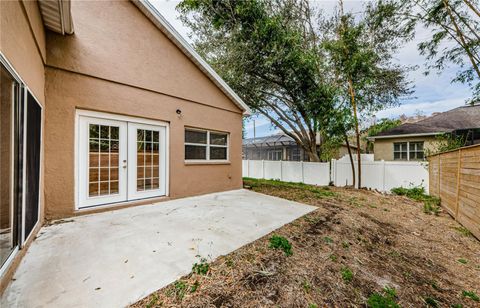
[115, 258]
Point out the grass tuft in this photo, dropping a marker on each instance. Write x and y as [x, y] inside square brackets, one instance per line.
[279, 242]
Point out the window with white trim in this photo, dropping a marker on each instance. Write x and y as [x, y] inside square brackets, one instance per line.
[205, 145]
[408, 150]
[275, 154]
[400, 151]
[415, 150]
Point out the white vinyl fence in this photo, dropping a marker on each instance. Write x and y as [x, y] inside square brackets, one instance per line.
[288, 171]
[380, 175]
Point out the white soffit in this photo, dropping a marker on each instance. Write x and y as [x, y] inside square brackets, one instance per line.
[152, 13]
[56, 15]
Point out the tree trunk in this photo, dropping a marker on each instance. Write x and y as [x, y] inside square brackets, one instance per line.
[351, 159]
[357, 131]
[312, 153]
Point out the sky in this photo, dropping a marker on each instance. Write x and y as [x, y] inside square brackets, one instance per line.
[432, 93]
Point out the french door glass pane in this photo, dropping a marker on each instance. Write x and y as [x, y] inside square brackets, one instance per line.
[103, 157]
[147, 160]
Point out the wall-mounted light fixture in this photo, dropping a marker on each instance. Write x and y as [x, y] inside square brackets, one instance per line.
[179, 113]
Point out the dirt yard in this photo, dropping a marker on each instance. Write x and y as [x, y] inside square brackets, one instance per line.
[360, 248]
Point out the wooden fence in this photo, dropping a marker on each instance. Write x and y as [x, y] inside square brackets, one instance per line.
[455, 177]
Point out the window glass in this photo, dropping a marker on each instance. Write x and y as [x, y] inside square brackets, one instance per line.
[195, 152]
[193, 136]
[218, 139]
[218, 153]
[205, 145]
[400, 151]
[416, 151]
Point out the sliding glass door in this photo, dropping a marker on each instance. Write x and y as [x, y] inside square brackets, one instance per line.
[20, 150]
[9, 88]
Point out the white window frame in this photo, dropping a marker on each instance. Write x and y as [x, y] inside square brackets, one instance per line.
[273, 154]
[207, 146]
[408, 150]
[416, 149]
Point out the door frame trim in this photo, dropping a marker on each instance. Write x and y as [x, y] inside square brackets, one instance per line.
[112, 116]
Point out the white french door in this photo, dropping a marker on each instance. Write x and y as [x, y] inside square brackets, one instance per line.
[146, 145]
[119, 160]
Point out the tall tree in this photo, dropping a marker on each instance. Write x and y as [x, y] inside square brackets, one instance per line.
[455, 35]
[268, 53]
[361, 51]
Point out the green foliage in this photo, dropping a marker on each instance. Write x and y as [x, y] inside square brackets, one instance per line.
[153, 301]
[347, 274]
[328, 240]
[431, 204]
[194, 286]
[472, 295]
[268, 53]
[385, 300]
[180, 288]
[445, 143]
[279, 242]
[454, 39]
[381, 126]
[317, 191]
[463, 261]
[431, 302]
[463, 231]
[202, 267]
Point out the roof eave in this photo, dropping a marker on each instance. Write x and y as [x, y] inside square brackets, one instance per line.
[152, 13]
[57, 15]
[404, 135]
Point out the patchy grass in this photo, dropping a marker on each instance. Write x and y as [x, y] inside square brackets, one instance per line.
[431, 204]
[350, 252]
[279, 242]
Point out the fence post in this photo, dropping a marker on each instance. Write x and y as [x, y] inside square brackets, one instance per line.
[383, 175]
[281, 170]
[439, 171]
[303, 177]
[459, 166]
[263, 169]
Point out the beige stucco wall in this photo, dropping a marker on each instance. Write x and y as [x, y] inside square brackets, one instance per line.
[119, 62]
[22, 42]
[383, 148]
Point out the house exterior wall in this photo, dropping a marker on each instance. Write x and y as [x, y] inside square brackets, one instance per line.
[22, 43]
[119, 62]
[383, 148]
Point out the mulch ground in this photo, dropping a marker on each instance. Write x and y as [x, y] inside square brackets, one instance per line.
[357, 245]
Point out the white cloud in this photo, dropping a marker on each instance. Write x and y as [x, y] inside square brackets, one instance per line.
[425, 108]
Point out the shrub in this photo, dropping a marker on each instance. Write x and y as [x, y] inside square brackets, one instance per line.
[201, 268]
[431, 204]
[279, 242]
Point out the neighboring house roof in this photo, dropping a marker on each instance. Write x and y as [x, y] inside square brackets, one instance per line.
[158, 20]
[273, 140]
[465, 117]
